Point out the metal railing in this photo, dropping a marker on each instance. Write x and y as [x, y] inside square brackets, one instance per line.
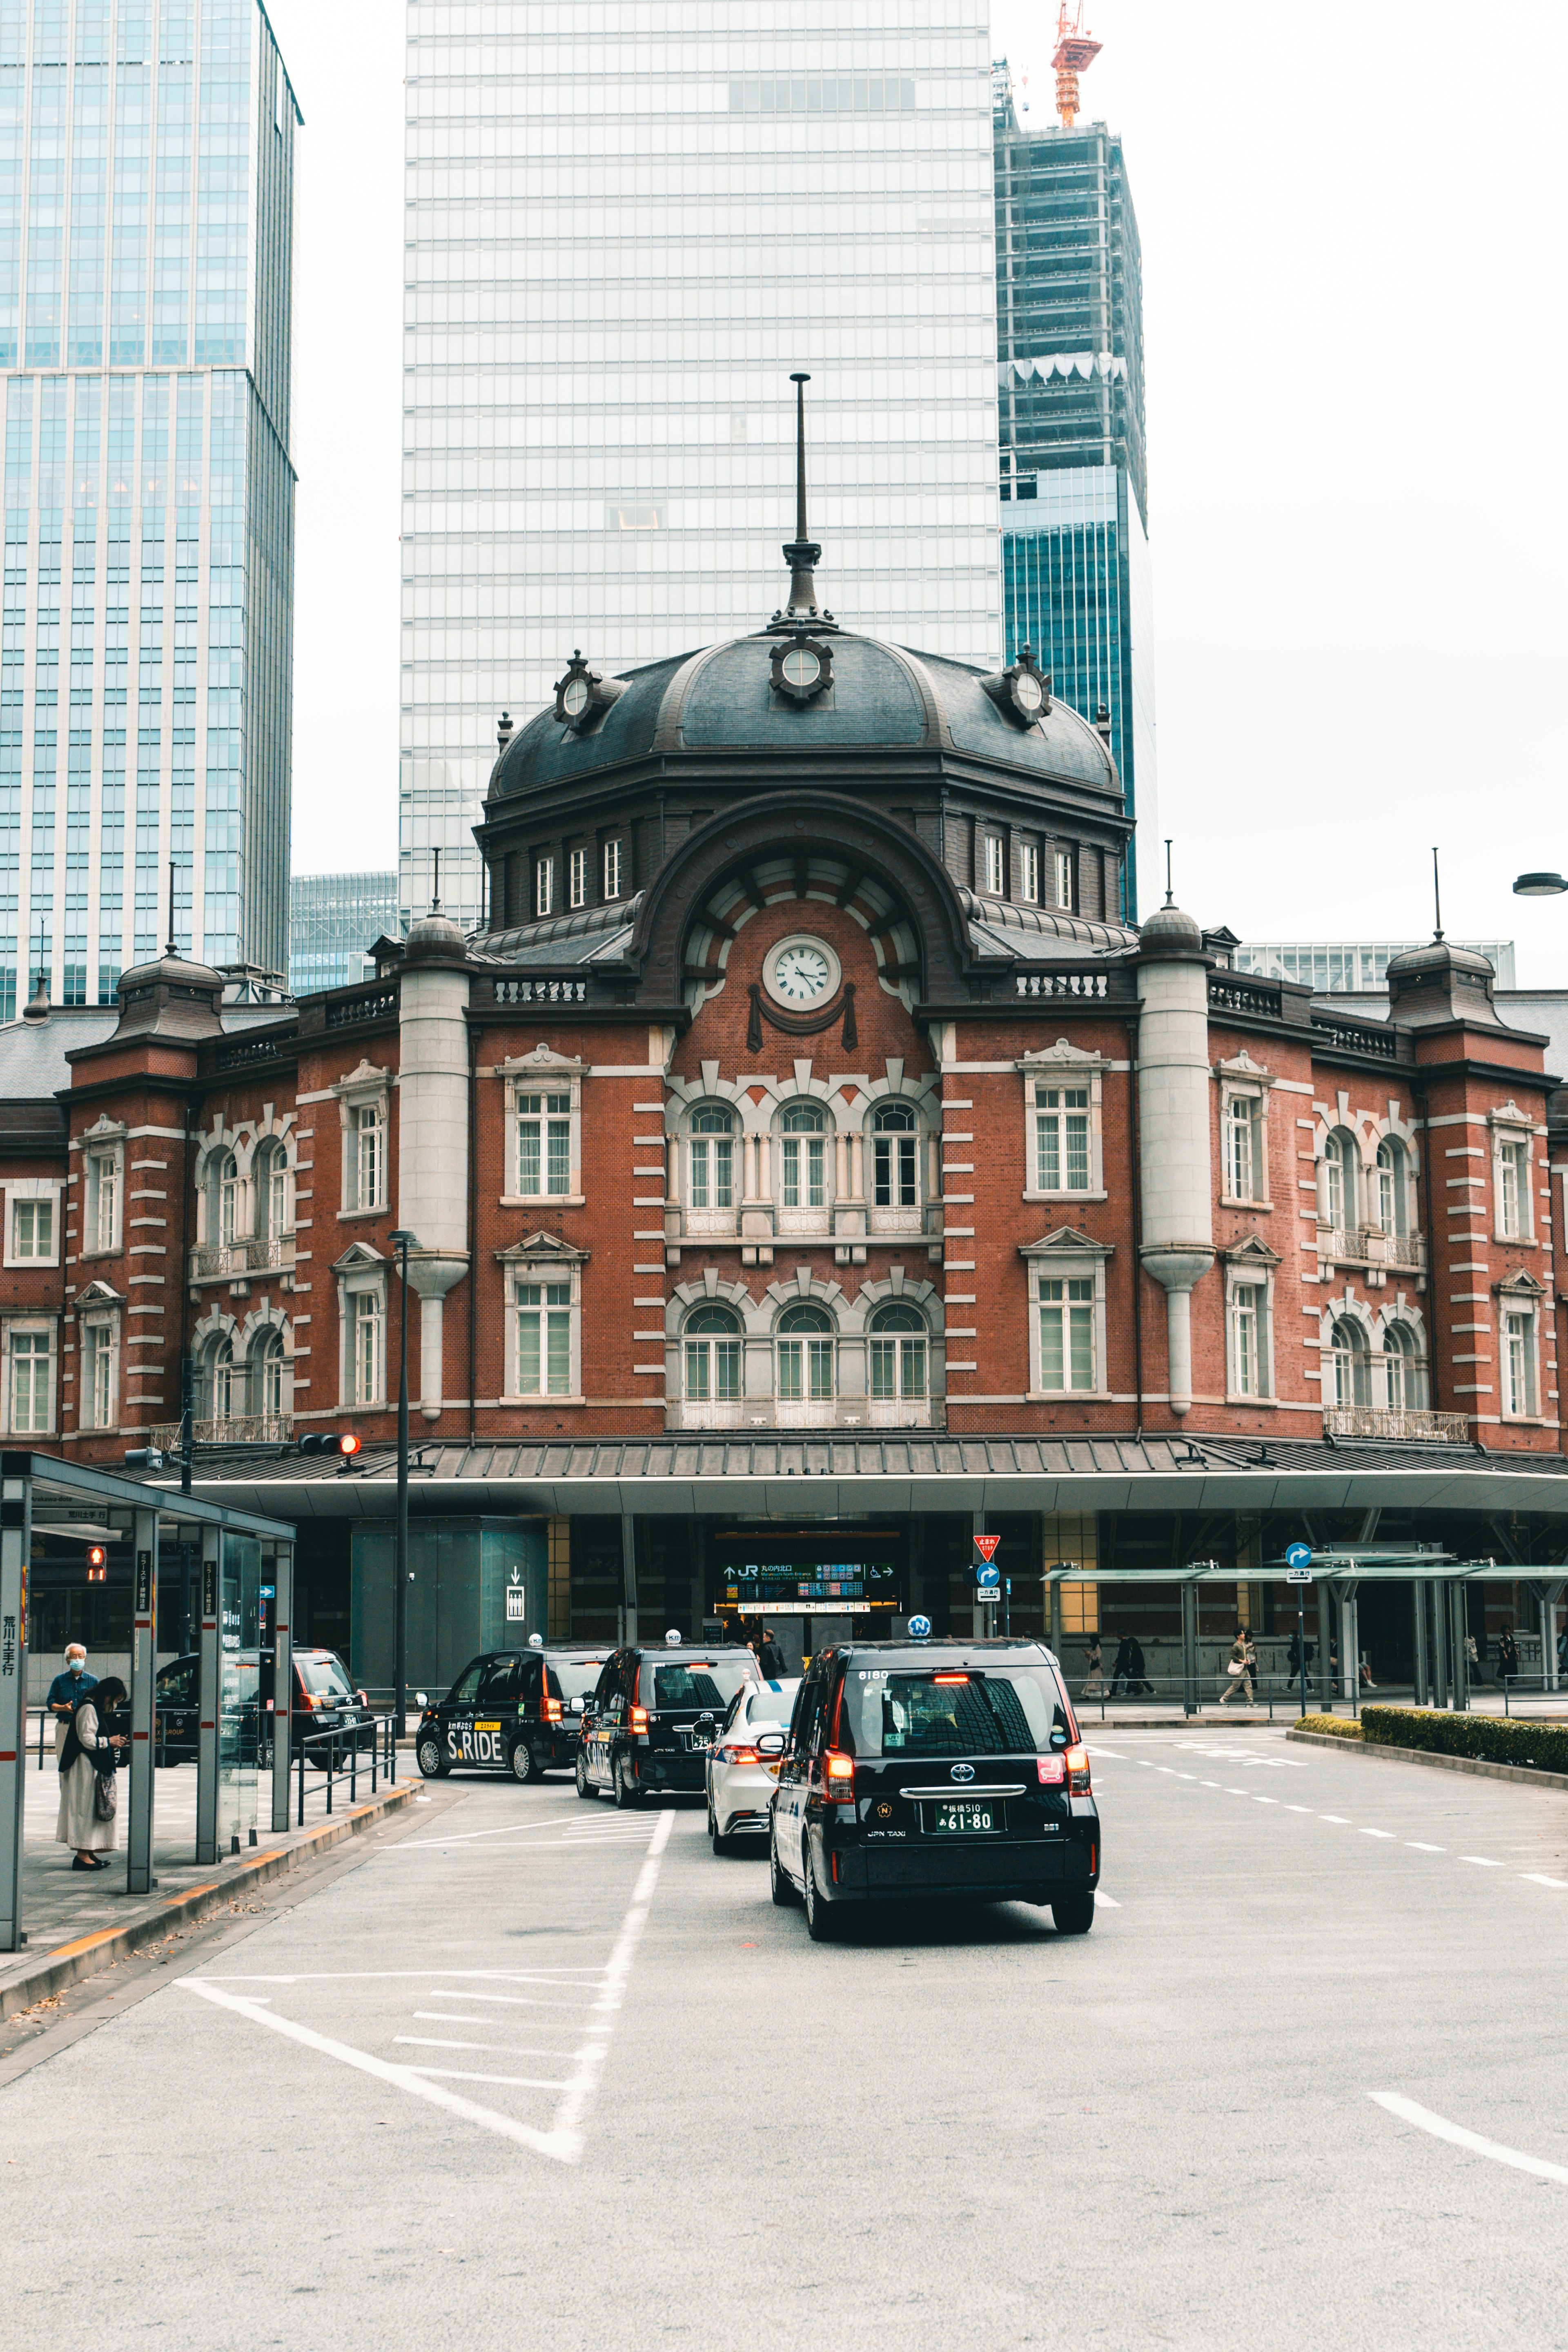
[382, 1757]
[1369, 1245]
[1353, 1037]
[1389, 1421]
[1208, 1693]
[237, 1429]
[251, 1253]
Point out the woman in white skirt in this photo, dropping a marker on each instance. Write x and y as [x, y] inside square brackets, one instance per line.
[87, 1751]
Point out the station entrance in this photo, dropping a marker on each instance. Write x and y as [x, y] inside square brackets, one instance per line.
[809, 1585]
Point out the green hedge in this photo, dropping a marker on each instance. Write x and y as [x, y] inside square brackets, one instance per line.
[1491, 1738]
[1337, 1727]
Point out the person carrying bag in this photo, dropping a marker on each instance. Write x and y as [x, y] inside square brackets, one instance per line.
[89, 1761]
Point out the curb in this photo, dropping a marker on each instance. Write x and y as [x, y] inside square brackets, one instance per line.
[68, 1963]
[1524, 1773]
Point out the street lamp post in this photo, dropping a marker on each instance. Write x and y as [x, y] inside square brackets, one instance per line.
[1540, 886]
[402, 1241]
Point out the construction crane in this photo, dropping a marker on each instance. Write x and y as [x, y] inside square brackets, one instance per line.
[1075, 52]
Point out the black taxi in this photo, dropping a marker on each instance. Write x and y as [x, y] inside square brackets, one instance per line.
[517, 1711]
[654, 1716]
[325, 1701]
[935, 1769]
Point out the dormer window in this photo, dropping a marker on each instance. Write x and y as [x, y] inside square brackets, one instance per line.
[582, 696]
[1022, 692]
[802, 666]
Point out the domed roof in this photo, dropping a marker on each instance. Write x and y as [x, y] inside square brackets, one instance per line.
[1169, 928]
[881, 697]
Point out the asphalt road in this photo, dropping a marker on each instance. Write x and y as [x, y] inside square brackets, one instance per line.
[543, 2073]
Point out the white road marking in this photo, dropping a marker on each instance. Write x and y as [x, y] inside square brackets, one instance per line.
[1342, 1819]
[458, 2017]
[489, 2049]
[1297, 1808]
[1420, 1847]
[1210, 1784]
[564, 2141]
[1441, 2128]
[515, 2000]
[1262, 1801]
[1109, 1902]
[1386, 1833]
[1538, 1878]
[1480, 1860]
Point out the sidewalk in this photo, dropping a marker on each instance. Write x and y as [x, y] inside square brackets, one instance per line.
[76, 1921]
[1165, 1709]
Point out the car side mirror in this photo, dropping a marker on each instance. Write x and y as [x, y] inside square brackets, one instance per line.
[771, 1743]
[421, 1698]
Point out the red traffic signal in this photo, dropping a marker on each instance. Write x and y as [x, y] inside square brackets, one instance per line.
[96, 1564]
[339, 1441]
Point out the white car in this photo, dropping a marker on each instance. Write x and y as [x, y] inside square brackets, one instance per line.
[750, 1740]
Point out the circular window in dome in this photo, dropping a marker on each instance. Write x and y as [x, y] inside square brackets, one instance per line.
[575, 697]
[802, 666]
[1027, 686]
[801, 973]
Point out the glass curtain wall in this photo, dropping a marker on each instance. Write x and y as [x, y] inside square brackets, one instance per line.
[626, 228]
[146, 161]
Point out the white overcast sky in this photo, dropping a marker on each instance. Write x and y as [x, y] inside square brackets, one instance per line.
[1353, 230]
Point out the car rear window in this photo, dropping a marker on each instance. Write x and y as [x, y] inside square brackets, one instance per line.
[952, 1711]
[769, 1706]
[709, 1683]
[574, 1678]
[324, 1677]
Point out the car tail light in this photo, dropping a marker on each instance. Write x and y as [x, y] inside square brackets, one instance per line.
[361, 1698]
[308, 1703]
[739, 1756]
[838, 1772]
[950, 1679]
[637, 1719]
[1052, 1771]
[1077, 1762]
[551, 1710]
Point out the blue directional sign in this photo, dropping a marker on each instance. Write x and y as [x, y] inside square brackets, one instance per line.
[987, 1575]
[267, 1592]
[1297, 1555]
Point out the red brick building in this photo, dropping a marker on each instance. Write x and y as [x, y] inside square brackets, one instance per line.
[802, 1112]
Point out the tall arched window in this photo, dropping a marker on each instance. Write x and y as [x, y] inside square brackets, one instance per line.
[1347, 1366]
[220, 1382]
[804, 1351]
[895, 1158]
[268, 1393]
[1339, 1178]
[898, 1369]
[1393, 1187]
[1405, 1369]
[710, 1162]
[272, 1211]
[226, 1200]
[803, 1164]
[713, 1343]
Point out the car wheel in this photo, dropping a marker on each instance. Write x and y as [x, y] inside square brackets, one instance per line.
[524, 1764]
[820, 1924]
[779, 1884]
[626, 1794]
[719, 1842]
[431, 1756]
[586, 1788]
[1073, 1914]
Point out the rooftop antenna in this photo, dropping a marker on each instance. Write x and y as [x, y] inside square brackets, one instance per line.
[435, 894]
[802, 553]
[1075, 52]
[171, 949]
[1436, 897]
[1170, 900]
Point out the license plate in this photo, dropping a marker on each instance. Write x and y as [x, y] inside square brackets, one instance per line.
[972, 1817]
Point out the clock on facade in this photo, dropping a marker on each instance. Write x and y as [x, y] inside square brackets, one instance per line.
[801, 973]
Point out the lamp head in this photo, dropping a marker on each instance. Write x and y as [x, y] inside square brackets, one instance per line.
[1540, 886]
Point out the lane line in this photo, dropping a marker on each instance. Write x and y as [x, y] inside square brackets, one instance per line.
[1386, 1833]
[1109, 1901]
[1297, 1808]
[1481, 1861]
[1262, 1801]
[560, 1978]
[572, 2113]
[1538, 1878]
[1441, 2128]
[504, 2081]
[1342, 1819]
[1419, 1847]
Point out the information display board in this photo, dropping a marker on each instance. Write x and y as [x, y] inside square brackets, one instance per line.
[810, 1587]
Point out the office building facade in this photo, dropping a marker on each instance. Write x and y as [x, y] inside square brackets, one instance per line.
[1346, 967]
[1073, 474]
[611, 276]
[145, 666]
[334, 920]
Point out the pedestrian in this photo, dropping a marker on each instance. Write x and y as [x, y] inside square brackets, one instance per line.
[1473, 1659]
[1094, 1680]
[1137, 1685]
[1294, 1655]
[1562, 1651]
[1366, 1680]
[1507, 1655]
[770, 1658]
[1241, 1668]
[1121, 1671]
[66, 1689]
[89, 1761]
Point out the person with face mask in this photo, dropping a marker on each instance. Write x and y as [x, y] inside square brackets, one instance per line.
[67, 1690]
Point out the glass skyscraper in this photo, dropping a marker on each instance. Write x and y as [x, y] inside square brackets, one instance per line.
[1074, 479]
[146, 234]
[333, 920]
[627, 227]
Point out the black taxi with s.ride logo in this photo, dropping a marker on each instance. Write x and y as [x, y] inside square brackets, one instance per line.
[517, 1711]
[919, 1769]
[654, 1714]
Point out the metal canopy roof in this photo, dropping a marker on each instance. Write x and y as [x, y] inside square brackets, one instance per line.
[830, 1476]
[81, 1494]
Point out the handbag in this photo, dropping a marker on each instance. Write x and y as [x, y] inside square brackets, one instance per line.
[106, 1798]
[1237, 1666]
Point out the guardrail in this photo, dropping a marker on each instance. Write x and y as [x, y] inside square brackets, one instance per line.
[351, 1737]
[1195, 1693]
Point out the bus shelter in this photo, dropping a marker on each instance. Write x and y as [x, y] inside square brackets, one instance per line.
[1437, 1581]
[245, 1568]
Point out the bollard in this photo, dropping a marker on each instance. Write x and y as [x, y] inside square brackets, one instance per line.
[301, 1781]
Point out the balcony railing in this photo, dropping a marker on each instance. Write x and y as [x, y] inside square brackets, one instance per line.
[1388, 1421]
[1365, 1246]
[256, 1253]
[234, 1429]
[1356, 1038]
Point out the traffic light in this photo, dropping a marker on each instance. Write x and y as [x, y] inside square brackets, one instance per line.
[339, 1441]
[96, 1564]
[144, 1457]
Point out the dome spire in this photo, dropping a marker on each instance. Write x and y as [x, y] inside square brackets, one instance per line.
[801, 553]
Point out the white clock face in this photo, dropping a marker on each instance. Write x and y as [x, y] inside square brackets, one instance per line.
[802, 972]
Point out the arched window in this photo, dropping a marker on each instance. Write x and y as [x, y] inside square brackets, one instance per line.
[1404, 1368]
[272, 1207]
[712, 1356]
[226, 1200]
[898, 1371]
[1347, 1366]
[1339, 1178]
[803, 1159]
[1393, 1188]
[220, 1381]
[712, 1159]
[805, 1350]
[895, 1158]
